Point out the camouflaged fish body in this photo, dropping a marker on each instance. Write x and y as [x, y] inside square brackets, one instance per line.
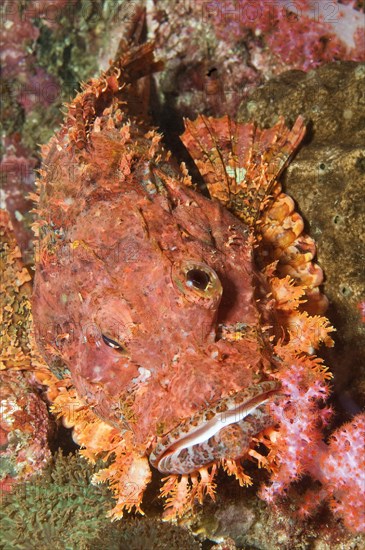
[160, 304]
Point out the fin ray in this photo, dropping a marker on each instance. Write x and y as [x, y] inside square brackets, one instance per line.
[239, 162]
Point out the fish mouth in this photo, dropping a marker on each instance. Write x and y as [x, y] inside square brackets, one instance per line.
[223, 431]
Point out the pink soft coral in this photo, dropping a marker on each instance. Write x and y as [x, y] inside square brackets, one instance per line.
[297, 448]
[301, 418]
[340, 467]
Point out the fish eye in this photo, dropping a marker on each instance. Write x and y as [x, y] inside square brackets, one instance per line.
[198, 279]
[112, 343]
[198, 282]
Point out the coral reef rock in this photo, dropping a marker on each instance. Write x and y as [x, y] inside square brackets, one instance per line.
[327, 180]
[24, 419]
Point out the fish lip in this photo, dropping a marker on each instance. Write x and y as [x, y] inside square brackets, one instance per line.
[208, 422]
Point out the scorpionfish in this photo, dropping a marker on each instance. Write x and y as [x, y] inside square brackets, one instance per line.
[156, 306]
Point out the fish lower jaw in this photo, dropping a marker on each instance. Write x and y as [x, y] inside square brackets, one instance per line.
[224, 431]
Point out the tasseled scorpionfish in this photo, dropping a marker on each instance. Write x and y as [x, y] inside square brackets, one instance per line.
[158, 305]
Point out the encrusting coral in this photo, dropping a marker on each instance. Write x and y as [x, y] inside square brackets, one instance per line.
[58, 509]
[24, 419]
[62, 509]
[218, 52]
[146, 534]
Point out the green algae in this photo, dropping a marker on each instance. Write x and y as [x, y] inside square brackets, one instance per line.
[69, 51]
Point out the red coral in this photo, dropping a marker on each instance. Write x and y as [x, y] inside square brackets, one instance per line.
[300, 34]
[27, 87]
[41, 89]
[249, 42]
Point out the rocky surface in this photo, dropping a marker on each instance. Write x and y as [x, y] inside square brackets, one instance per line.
[241, 517]
[327, 180]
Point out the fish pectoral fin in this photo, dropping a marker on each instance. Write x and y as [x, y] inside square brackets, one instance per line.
[239, 162]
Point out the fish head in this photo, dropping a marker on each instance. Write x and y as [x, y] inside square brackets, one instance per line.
[150, 297]
[155, 308]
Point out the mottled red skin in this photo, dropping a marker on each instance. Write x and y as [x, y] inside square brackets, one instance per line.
[109, 256]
